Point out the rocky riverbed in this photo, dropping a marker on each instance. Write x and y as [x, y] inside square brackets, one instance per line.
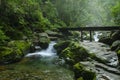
[90, 60]
[106, 63]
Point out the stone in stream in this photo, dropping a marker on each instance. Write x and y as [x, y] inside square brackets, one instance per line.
[44, 40]
[115, 45]
[115, 36]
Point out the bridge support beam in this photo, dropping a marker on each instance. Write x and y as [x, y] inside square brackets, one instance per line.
[90, 36]
[81, 36]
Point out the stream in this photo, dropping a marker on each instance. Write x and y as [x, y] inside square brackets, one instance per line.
[45, 64]
[41, 65]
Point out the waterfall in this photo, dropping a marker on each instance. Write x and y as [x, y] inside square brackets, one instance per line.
[96, 36]
[49, 52]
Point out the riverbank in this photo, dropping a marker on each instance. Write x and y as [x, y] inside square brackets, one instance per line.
[89, 60]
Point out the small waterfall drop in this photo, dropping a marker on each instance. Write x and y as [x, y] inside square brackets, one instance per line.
[49, 52]
[96, 36]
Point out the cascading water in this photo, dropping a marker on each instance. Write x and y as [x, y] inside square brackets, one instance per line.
[96, 36]
[41, 65]
[49, 52]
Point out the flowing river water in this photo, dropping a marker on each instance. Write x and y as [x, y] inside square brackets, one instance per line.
[45, 65]
[41, 65]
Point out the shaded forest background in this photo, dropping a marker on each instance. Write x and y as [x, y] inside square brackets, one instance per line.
[19, 18]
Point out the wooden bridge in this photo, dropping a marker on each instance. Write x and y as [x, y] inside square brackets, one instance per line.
[90, 29]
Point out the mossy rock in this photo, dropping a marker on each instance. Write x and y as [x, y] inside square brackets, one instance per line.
[44, 40]
[61, 46]
[14, 52]
[74, 53]
[71, 51]
[115, 45]
[82, 73]
[53, 33]
[115, 36]
[118, 54]
[106, 40]
[8, 55]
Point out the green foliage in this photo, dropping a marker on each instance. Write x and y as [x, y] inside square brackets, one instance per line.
[85, 12]
[22, 45]
[21, 17]
[8, 55]
[116, 13]
[3, 37]
[80, 78]
[14, 51]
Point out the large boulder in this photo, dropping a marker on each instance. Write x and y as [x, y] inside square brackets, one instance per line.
[115, 36]
[115, 45]
[83, 73]
[61, 46]
[14, 52]
[106, 40]
[71, 52]
[44, 40]
[53, 33]
[74, 53]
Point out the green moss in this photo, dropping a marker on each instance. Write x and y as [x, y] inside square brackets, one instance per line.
[8, 55]
[74, 52]
[14, 52]
[80, 71]
[118, 53]
[61, 46]
[80, 78]
[5, 51]
[79, 66]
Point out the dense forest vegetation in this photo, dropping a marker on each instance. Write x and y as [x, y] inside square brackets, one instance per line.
[22, 17]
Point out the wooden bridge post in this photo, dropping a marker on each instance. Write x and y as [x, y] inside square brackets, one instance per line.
[90, 36]
[81, 36]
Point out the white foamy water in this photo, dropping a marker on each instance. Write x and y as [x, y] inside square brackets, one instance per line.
[45, 53]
